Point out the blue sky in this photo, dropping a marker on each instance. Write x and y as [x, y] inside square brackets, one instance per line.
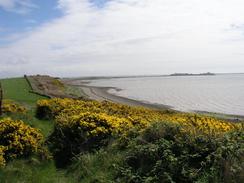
[13, 21]
[120, 37]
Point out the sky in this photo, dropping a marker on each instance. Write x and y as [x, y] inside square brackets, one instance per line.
[70, 38]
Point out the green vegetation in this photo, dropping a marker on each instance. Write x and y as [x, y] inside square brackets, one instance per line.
[94, 142]
[18, 89]
[31, 169]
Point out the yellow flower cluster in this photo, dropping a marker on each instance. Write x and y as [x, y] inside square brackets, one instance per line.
[91, 113]
[2, 160]
[18, 139]
[11, 107]
[93, 124]
[204, 124]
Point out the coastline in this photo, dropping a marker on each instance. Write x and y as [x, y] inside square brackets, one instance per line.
[102, 93]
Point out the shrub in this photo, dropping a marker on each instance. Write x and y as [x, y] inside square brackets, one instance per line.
[85, 132]
[167, 153]
[87, 125]
[47, 109]
[18, 139]
[11, 107]
[2, 160]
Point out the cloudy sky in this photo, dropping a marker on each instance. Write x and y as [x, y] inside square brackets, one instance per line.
[120, 37]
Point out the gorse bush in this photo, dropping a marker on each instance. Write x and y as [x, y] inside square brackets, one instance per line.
[166, 153]
[18, 140]
[51, 108]
[11, 107]
[2, 160]
[83, 126]
[85, 132]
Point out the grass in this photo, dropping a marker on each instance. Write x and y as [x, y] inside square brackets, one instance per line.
[96, 167]
[18, 89]
[32, 171]
[29, 170]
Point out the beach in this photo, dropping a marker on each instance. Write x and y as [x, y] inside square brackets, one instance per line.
[102, 94]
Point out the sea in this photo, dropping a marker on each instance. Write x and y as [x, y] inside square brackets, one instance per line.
[221, 93]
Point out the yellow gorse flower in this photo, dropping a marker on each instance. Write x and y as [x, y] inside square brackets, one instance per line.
[93, 115]
[11, 107]
[2, 160]
[18, 139]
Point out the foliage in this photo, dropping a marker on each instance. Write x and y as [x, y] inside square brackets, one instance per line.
[96, 167]
[18, 139]
[18, 90]
[83, 126]
[33, 170]
[212, 149]
[166, 153]
[83, 133]
[10, 106]
[51, 108]
[2, 160]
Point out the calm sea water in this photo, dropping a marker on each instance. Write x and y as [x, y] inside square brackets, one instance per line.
[220, 93]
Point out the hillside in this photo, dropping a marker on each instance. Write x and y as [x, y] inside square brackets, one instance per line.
[70, 140]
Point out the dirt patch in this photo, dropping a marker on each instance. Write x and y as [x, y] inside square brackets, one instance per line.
[51, 87]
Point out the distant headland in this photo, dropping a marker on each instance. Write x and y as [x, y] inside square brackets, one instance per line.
[190, 74]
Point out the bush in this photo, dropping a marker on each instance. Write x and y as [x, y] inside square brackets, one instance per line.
[48, 109]
[138, 116]
[167, 153]
[178, 147]
[18, 139]
[11, 107]
[2, 160]
[85, 132]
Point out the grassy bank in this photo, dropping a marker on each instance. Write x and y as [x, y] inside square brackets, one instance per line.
[30, 169]
[103, 142]
[18, 89]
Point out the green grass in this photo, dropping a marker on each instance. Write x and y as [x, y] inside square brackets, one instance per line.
[18, 89]
[96, 167]
[32, 171]
[29, 170]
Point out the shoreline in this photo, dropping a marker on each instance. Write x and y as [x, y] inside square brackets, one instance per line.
[102, 93]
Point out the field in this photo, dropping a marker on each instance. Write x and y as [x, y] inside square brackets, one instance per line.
[17, 89]
[88, 141]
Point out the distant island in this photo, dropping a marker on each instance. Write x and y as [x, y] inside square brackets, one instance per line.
[190, 74]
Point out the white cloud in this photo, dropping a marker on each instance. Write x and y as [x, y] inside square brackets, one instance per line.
[17, 6]
[133, 37]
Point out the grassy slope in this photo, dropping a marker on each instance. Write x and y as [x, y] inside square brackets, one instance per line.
[89, 168]
[28, 170]
[17, 89]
